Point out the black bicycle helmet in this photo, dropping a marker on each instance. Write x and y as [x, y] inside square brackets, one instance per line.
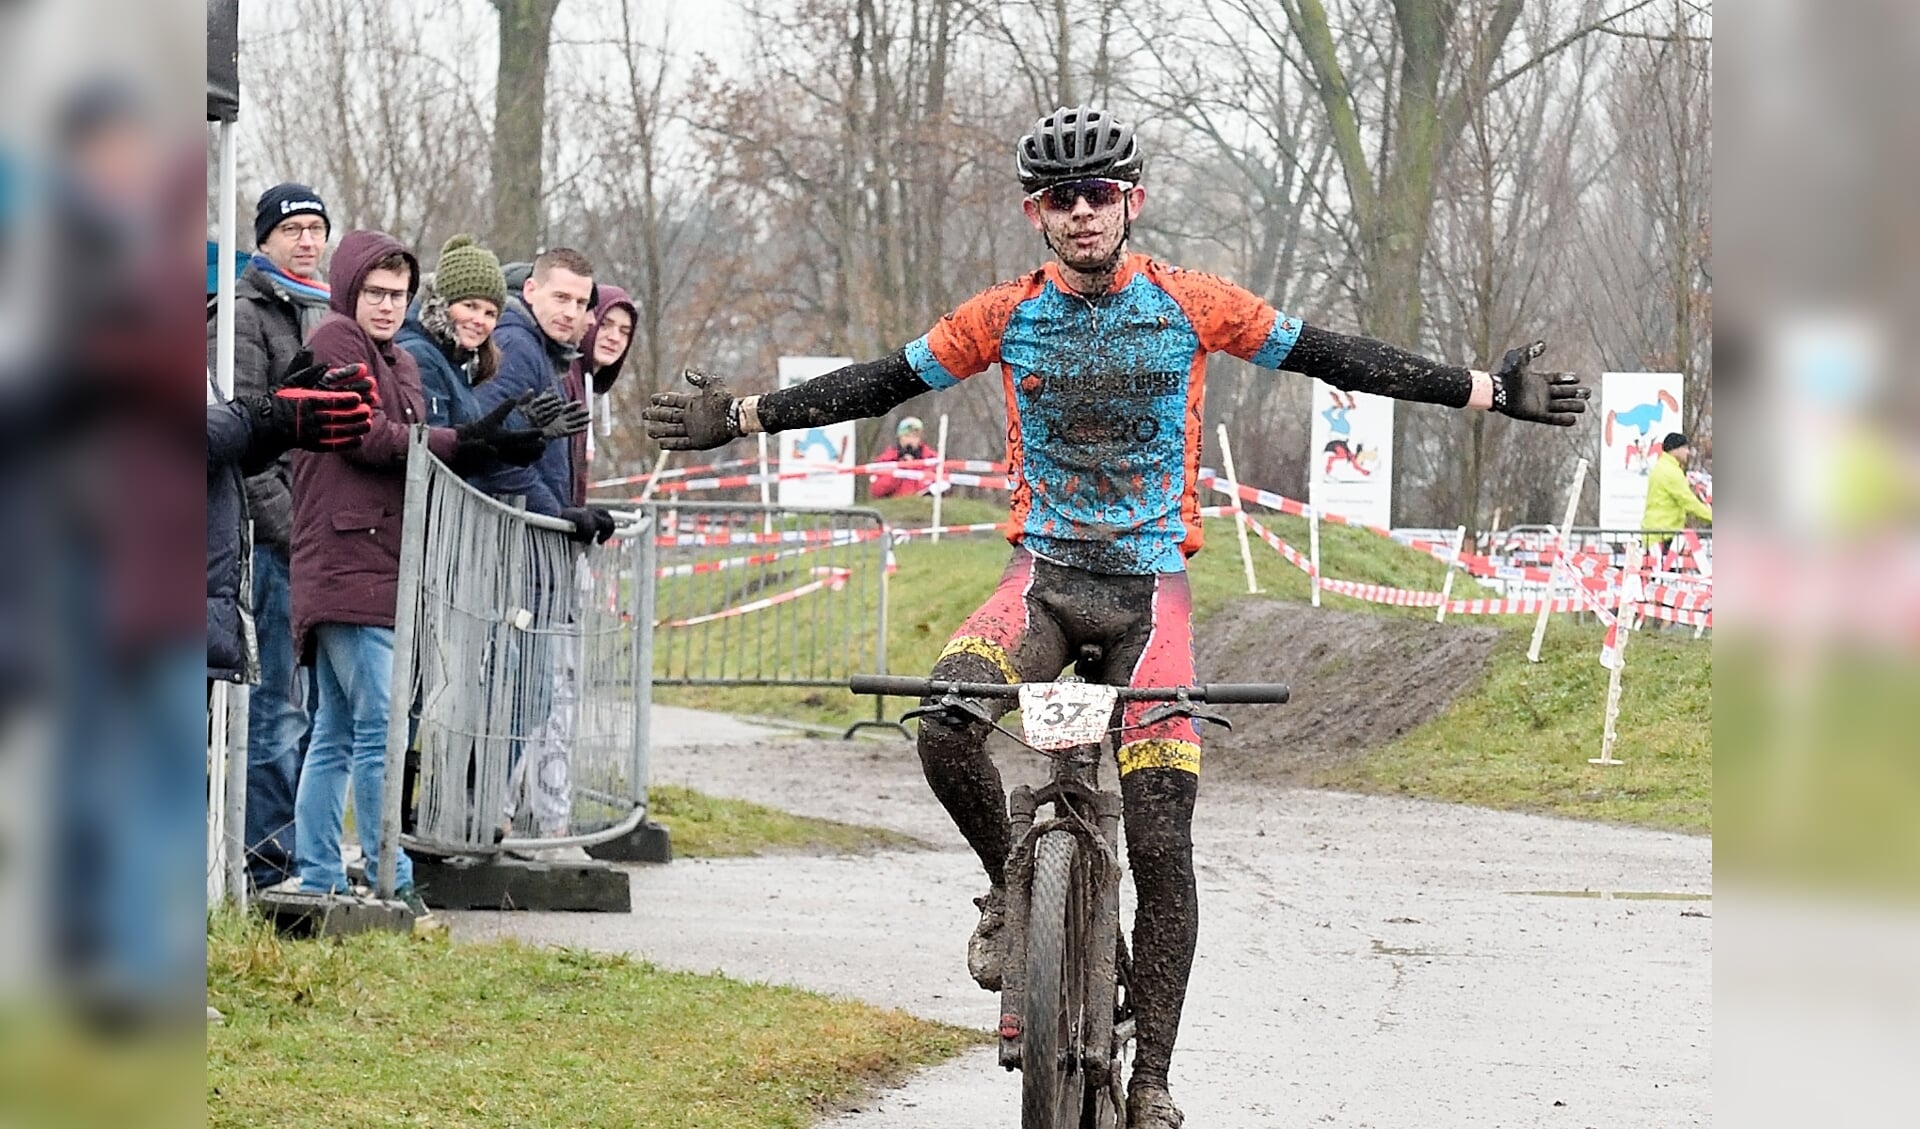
[1074, 143]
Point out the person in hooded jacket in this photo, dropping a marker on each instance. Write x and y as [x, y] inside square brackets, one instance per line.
[346, 553]
[603, 354]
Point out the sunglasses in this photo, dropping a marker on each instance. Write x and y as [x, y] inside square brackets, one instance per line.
[1098, 193]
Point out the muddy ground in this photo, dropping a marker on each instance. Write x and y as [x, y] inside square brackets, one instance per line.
[1359, 680]
[1365, 962]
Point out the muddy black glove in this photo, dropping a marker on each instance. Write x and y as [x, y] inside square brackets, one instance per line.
[700, 420]
[1557, 398]
[590, 523]
[556, 416]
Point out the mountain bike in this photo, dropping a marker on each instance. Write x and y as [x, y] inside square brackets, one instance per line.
[1065, 1017]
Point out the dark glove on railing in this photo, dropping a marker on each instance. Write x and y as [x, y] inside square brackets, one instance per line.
[1557, 398]
[489, 439]
[590, 523]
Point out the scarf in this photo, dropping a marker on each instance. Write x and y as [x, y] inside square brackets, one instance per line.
[304, 291]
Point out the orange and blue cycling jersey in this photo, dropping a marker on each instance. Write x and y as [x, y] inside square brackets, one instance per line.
[1104, 402]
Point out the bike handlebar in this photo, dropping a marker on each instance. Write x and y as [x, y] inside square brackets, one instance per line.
[1216, 693]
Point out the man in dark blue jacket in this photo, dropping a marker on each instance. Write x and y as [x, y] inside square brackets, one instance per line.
[536, 338]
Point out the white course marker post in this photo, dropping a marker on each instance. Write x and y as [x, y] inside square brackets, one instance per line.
[1239, 514]
[653, 480]
[1446, 586]
[1560, 551]
[1628, 614]
[939, 477]
[1313, 552]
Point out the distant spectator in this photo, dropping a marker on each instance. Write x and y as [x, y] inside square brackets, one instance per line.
[909, 446]
[346, 555]
[278, 300]
[1670, 500]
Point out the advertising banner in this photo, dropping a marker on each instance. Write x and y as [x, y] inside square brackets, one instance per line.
[822, 452]
[1350, 460]
[1637, 410]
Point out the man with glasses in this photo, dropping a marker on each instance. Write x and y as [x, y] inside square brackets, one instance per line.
[278, 300]
[1104, 356]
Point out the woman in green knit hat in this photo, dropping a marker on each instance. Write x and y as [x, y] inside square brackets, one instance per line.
[449, 331]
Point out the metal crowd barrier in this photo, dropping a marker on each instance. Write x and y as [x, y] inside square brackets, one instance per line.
[759, 595]
[520, 662]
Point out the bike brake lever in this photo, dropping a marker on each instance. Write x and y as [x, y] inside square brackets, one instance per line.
[1180, 709]
[951, 704]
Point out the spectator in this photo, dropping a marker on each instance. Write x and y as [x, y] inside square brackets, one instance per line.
[603, 353]
[245, 435]
[449, 332]
[546, 784]
[1670, 500]
[536, 336]
[910, 444]
[278, 300]
[346, 555]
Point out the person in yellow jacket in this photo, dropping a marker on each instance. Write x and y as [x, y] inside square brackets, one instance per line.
[1670, 500]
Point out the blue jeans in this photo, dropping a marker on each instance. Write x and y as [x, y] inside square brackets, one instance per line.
[276, 725]
[353, 674]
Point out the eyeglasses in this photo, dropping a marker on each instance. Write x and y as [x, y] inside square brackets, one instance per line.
[299, 231]
[1098, 192]
[379, 296]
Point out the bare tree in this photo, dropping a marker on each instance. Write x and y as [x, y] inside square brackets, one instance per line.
[520, 122]
[391, 132]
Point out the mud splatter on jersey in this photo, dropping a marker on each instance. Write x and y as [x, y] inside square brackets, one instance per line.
[1104, 402]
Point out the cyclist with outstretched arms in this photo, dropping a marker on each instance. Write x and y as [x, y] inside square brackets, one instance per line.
[1103, 356]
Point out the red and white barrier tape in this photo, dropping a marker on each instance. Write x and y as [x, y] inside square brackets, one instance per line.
[834, 578]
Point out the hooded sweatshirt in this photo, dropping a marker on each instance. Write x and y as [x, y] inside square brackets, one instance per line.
[346, 505]
[611, 297]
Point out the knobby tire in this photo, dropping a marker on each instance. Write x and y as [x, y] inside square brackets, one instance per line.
[1051, 1087]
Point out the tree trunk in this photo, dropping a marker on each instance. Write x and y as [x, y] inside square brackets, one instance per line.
[519, 125]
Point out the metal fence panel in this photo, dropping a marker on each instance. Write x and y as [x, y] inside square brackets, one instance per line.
[768, 595]
[519, 663]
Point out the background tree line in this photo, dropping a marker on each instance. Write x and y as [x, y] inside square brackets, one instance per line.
[1455, 176]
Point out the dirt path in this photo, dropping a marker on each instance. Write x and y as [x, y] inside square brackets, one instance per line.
[1363, 961]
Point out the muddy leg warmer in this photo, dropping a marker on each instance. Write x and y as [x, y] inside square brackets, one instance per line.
[962, 775]
[1159, 820]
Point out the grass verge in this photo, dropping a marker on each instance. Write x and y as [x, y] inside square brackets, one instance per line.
[386, 1030]
[704, 826]
[1520, 740]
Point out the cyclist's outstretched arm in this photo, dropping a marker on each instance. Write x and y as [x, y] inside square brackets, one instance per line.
[711, 416]
[1362, 364]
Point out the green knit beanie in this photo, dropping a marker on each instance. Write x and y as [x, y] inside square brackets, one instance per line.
[468, 270]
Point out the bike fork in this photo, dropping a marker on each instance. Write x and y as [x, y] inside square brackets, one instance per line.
[1013, 971]
[1100, 1056]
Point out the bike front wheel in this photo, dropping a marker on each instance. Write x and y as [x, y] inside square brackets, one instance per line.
[1059, 917]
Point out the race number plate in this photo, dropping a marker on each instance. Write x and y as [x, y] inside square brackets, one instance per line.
[1060, 715]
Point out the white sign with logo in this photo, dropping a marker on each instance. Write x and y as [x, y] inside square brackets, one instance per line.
[1637, 410]
[1350, 459]
[824, 455]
